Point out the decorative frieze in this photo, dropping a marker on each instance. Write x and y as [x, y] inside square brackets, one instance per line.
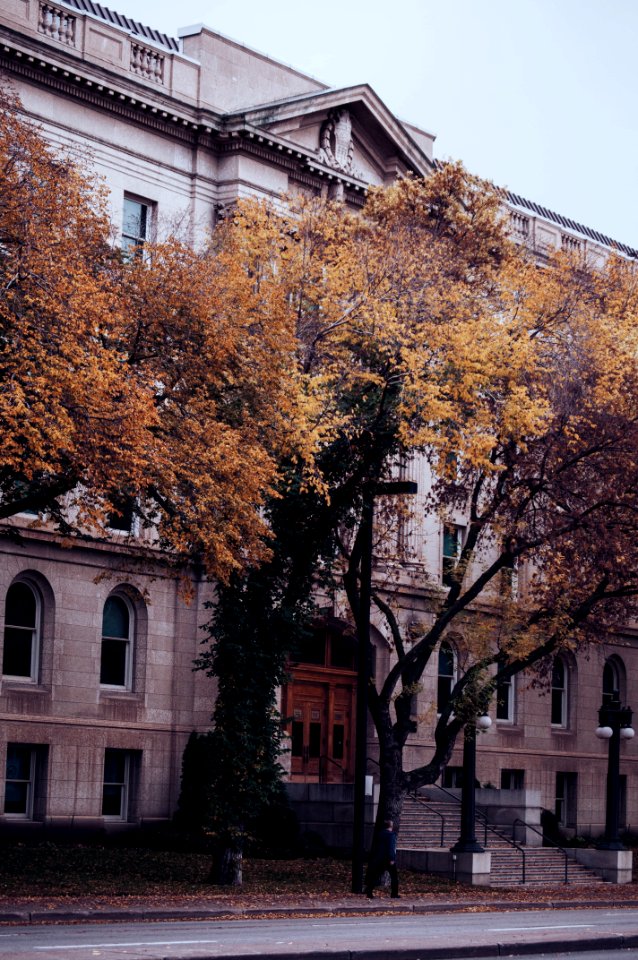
[147, 63]
[57, 24]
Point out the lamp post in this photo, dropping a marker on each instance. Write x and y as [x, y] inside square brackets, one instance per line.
[614, 725]
[392, 488]
[467, 842]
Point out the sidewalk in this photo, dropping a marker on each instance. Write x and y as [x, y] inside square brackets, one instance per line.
[57, 909]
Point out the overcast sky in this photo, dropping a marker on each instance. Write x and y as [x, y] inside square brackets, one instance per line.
[536, 95]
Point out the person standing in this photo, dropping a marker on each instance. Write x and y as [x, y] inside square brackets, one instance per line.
[384, 858]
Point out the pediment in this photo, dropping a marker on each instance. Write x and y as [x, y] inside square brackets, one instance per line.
[350, 132]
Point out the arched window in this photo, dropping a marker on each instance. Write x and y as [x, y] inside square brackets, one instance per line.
[560, 680]
[613, 677]
[116, 662]
[21, 653]
[446, 675]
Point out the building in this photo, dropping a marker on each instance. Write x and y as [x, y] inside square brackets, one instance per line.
[96, 713]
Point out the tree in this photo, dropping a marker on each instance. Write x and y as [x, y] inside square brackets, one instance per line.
[425, 333]
[162, 381]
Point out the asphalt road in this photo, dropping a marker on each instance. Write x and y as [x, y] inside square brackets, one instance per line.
[546, 932]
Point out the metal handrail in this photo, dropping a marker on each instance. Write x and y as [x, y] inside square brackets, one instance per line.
[432, 810]
[497, 833]
[546, 842]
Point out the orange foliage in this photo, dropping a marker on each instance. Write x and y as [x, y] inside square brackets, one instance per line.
[165, 378]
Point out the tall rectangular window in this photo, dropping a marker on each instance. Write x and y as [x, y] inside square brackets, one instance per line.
[19, 789]
[136, 225]
[505, 700]
[559, 693]
[117, 789]
[452, 546]
[446, 675]
[565, 805]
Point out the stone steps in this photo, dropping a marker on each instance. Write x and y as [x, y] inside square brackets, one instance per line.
[542, 866]
[437, 824]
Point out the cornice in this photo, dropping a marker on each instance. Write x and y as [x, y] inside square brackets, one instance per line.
[103, 90]
[301, 165]
[136, 103]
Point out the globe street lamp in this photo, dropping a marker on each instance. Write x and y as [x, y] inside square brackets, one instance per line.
[614, 725]
[467, 842]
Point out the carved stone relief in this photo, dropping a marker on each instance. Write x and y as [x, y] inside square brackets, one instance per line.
[336, 146]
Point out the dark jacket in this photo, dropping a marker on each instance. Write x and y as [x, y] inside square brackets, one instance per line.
[387, 846]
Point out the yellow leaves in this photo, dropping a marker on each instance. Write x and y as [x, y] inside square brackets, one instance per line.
[171, 377]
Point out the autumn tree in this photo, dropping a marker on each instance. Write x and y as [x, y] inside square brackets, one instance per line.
[162, 381]
[424, 333]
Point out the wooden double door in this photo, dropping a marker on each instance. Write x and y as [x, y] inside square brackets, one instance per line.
[321, 712]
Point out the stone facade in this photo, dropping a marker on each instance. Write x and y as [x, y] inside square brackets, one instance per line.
[178, 129]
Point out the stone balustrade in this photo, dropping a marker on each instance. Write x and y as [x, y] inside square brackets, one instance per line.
[519, 225]
[57, 24]
[147, 63]
[61, 26]
[570, 244]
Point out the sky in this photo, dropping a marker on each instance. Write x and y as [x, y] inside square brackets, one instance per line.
[538, 96]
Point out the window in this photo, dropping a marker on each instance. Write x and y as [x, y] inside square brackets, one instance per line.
[20, 780]
[325, 647]
[511, 581]
[117, 788]
[117, 644]
[136, 224]
[21, 632]
[512, 779]
[452, 545]
[452, 778]
[446, 676]
[505, 700]
[612, 680]
[566, 798]
[559, 693]
[123, 516]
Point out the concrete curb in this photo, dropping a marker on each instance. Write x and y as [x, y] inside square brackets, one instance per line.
[155, 914]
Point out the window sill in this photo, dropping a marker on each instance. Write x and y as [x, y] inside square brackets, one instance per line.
[114, 693]
[16, 685]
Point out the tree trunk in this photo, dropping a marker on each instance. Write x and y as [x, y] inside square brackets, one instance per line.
[226, 868]
[392, 788]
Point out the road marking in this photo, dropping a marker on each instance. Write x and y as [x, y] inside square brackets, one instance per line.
[347, 923]
[142, 943]
[555, 926]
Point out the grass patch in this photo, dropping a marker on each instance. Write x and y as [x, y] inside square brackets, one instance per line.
[72, 870]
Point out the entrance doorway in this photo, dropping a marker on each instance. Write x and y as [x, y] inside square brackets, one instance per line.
[319, 705]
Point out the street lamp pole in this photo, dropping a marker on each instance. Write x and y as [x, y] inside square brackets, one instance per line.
[392, 488]
[614, 725]
[467, 842]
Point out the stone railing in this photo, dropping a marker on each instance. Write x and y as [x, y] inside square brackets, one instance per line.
[519, 225]
[570, 244]
[57, 24]
[147, 63]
